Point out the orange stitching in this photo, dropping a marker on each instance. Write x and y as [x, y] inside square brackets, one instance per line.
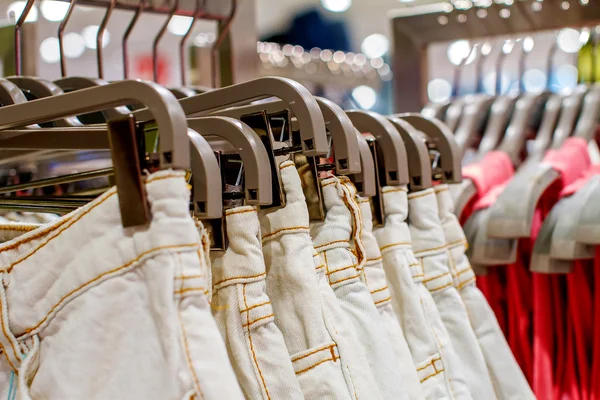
[326, 262]
[328, 183]
[417, 195]
[342, 280]
[435, 277]
[6, 334]
[441, 287]
[463, 271]
[252, 346]
[432, 375]
[256, 320]
[239, 277]
[374, 259]
[192, 289]
[418, 276]
[432, 249]
[314, 366]
[285, 165]
[254, 306]
[320, 266]
[397, 189]
[383, 300]
[394, 244]
[465, 283]
[432, 362]
[331, 346]
[330, 243]
[284, 229]
[19, 228]
[187, 354]
[440, 190]
[379, 290]
[189, 276]
[457, 242]
[228, 212]
[160, 178]
[142, 255]
[361, 201]
[341, 269]
[417, 264]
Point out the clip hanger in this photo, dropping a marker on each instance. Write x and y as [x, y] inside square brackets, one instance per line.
[419, 164]
[366, 180]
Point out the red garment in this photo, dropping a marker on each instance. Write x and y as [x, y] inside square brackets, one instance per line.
[595, 371]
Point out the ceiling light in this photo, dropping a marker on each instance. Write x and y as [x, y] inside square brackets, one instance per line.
[54, 10]
[90, 34]
[74, 45]
[439, 90]
[442, 20]
[505, 13]
[375, 45]
[16, 9]
[49, 50]
[568, 40]
[528, 44]
[584, 35]
[565, 5]
[481, 13]
[486, 48]
[534, 80]
[179, 25]
[365, 96]
[458, 50]
[336, 5]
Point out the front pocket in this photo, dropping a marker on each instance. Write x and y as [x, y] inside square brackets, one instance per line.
[319, 372]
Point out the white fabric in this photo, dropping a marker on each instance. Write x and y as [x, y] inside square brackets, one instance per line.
[323, 354]
[91, 310]
[337, 239]
[508, 380]
[374, 277]
[429, 244]
[412, 302]
[244, 313]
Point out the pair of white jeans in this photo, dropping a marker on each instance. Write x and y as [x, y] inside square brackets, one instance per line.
[411, 301]
[322, 348]
[92, 310]
[375, 279]
[507, 378]
[244, 314]
[337, 239]
[430, 248]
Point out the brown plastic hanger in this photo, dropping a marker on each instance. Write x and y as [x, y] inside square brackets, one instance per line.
[365, 181]
[440, 142]
[303, 105]
[419, 163]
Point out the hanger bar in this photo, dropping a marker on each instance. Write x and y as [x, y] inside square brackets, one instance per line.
[164, 106]
[36, 208]
[80, 176]
[84, 138]
[52, 202]
[217, 10]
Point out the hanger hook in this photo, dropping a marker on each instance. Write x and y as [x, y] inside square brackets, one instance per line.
[18, 26]
[134, 20]
[158, 37]
[61, 31]
[100, 36]
[460, 67]
[224, 30]
[198, 12]
[550, 62]
[507, 48]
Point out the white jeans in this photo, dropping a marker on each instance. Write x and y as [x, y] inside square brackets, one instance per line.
[411, 301]
[323, 360]
[374, 277]
[506, 375]
[337, 240]
[244, 313]
[430, 248]
[92, 310]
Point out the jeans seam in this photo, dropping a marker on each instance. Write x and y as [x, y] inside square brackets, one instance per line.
[292, 228]
[239, 277]
[252, 345]
[250, 323]
[137, 259]
[187, 353]
[328, 347]
[334, 359]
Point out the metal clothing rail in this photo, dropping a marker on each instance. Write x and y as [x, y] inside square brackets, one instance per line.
[216, 10]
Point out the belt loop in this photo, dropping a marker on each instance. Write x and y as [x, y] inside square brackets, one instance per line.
[8, 342]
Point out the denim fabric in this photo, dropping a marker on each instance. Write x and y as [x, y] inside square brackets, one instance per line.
[92, 310]
[412, 302]
[244, 313]
[508, 380]
[374, 277]
[323, 355]
[337, 239]
[430, 248]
